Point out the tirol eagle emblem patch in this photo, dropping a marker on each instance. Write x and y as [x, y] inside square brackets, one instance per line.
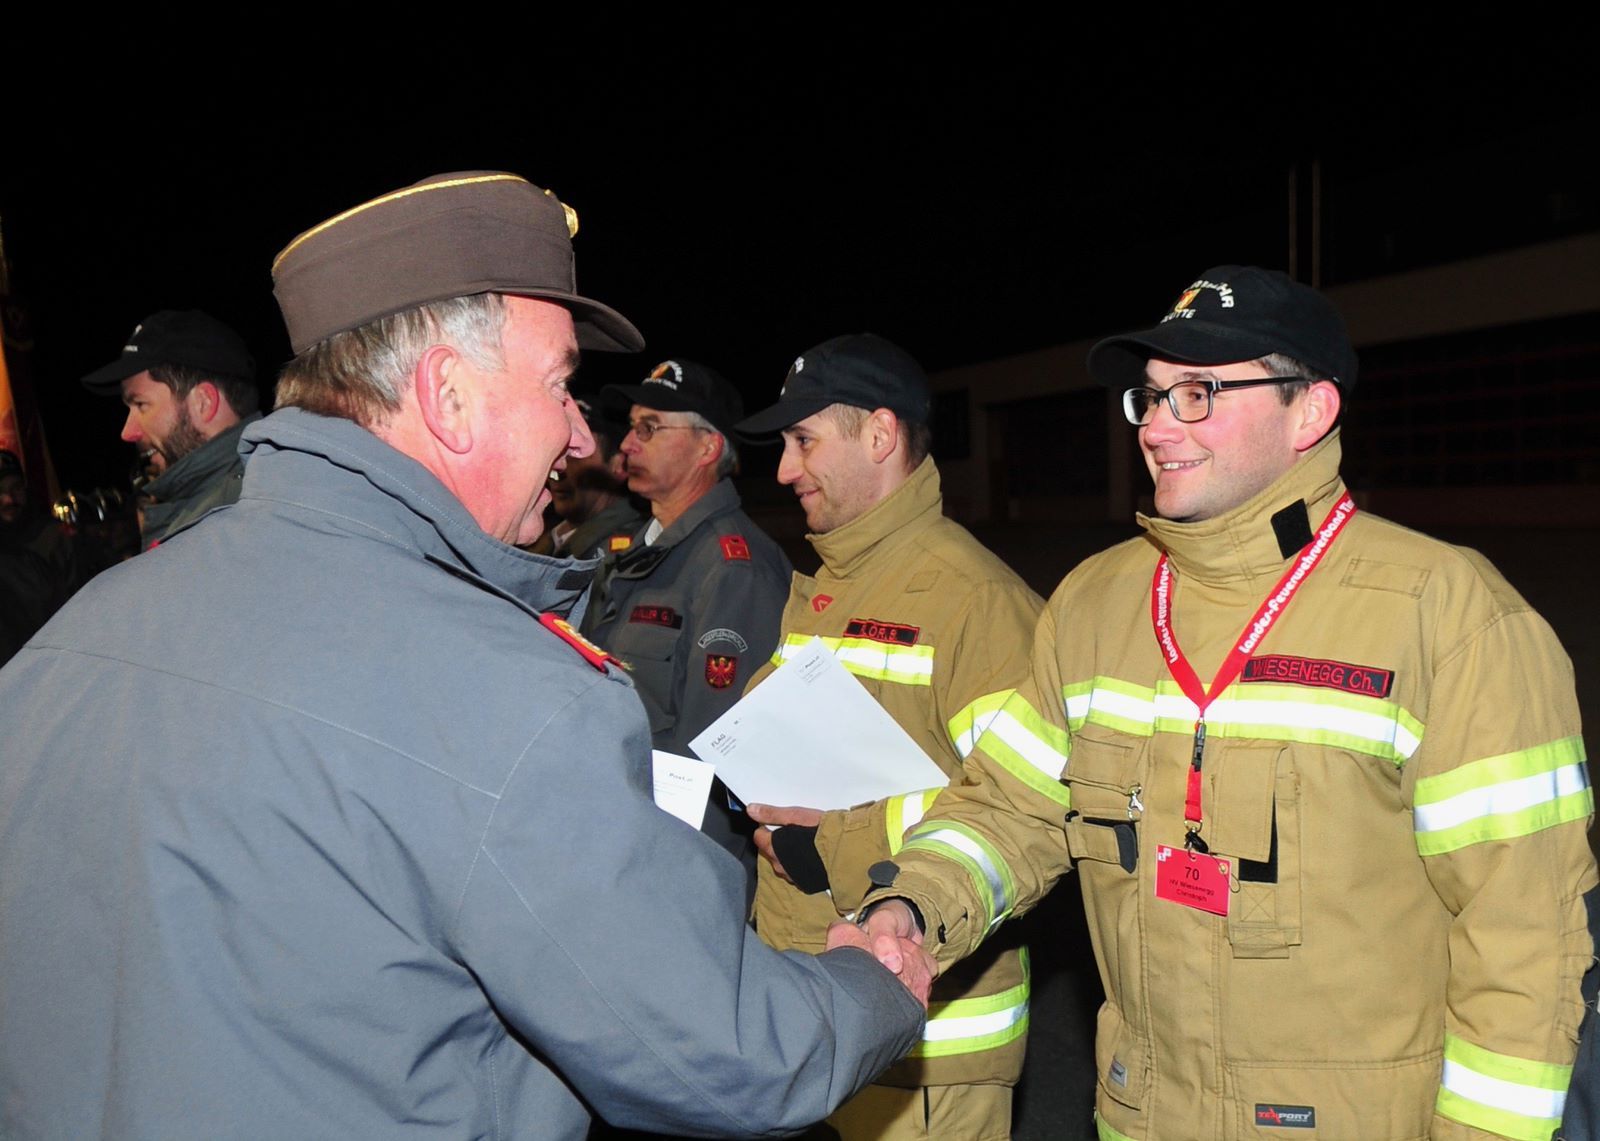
[721, 669]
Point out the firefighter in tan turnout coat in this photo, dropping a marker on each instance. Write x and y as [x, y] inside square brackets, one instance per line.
[1321, 776]
[935, 627]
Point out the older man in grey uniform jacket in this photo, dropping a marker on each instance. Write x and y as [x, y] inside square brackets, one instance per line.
[693, 605]
[320, 821]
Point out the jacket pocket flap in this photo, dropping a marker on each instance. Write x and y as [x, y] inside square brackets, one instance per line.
[1238, 809]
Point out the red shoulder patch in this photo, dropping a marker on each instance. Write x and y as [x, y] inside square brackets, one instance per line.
[734, 547]
[590, 652]
[820, 602]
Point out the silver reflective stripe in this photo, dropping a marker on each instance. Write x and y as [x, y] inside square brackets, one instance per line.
[1028, 745]
[1513, 1097]
[944, 1028]
[1499, 799]
[970, 848]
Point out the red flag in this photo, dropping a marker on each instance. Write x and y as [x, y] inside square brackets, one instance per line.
[10, 436]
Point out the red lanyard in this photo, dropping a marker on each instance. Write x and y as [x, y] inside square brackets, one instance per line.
[1255, 630]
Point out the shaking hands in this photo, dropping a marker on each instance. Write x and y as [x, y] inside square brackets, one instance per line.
[891, 935]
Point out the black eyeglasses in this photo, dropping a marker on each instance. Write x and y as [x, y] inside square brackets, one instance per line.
[644, 429]
[1189, 400]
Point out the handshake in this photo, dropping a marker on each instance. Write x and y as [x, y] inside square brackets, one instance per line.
[891, 935]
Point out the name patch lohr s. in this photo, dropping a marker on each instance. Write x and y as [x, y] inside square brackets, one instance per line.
[894, 633]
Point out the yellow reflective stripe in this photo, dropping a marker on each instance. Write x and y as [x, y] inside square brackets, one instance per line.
[904, 665]
[1257, 711]
[989, 873]
[1118, 705]
[1514, 1097]
[968, 1025]
[1500, 797]
[904, 812]
[1028, 767]
[967, 726]
[1028, 747]
[1105, 1133]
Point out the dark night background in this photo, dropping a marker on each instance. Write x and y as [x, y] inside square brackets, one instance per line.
[751, 185]
[750, 182]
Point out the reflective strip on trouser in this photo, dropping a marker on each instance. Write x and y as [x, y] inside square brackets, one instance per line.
[1257, 711]
[967, 726]
[1513, 1097]
[1028, 747]
[1104, 1132]
[1497, 798]
[990, 875]
[968, 1025]
[904, 812]
[905, 665]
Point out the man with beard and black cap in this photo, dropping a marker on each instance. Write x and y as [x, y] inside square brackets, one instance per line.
[189, 383]
[1322, 777]
[693, 605]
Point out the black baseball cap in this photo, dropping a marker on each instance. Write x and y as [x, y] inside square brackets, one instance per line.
[860, 369]
[185, 337]
[1234, 313]
[679, 385]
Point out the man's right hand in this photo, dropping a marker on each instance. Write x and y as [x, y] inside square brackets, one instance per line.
[894, 918]
[913, 966]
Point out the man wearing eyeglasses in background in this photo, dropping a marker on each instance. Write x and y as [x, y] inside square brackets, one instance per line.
[693, 605]
[1322, 777]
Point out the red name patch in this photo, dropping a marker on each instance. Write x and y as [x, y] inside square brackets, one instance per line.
[1368, 681]
[657, 616]
[734, 547]
[876, 631]
[721, 670]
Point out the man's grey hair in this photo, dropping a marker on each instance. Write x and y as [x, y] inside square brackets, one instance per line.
[728, 461]
[1282, 364]
[362, 374]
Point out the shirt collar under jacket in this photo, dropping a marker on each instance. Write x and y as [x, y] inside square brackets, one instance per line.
[843, 549]
[721, 498]
[1240, 545]
[332, 465]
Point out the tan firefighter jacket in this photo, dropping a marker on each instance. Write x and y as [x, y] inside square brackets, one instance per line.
[937, 628]
[1399, 787]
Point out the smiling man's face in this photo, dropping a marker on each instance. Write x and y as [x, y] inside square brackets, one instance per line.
[159, 423]
[1208, 468]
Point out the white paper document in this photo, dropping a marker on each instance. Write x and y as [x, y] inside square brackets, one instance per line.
[811, 735]
[682, 786]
